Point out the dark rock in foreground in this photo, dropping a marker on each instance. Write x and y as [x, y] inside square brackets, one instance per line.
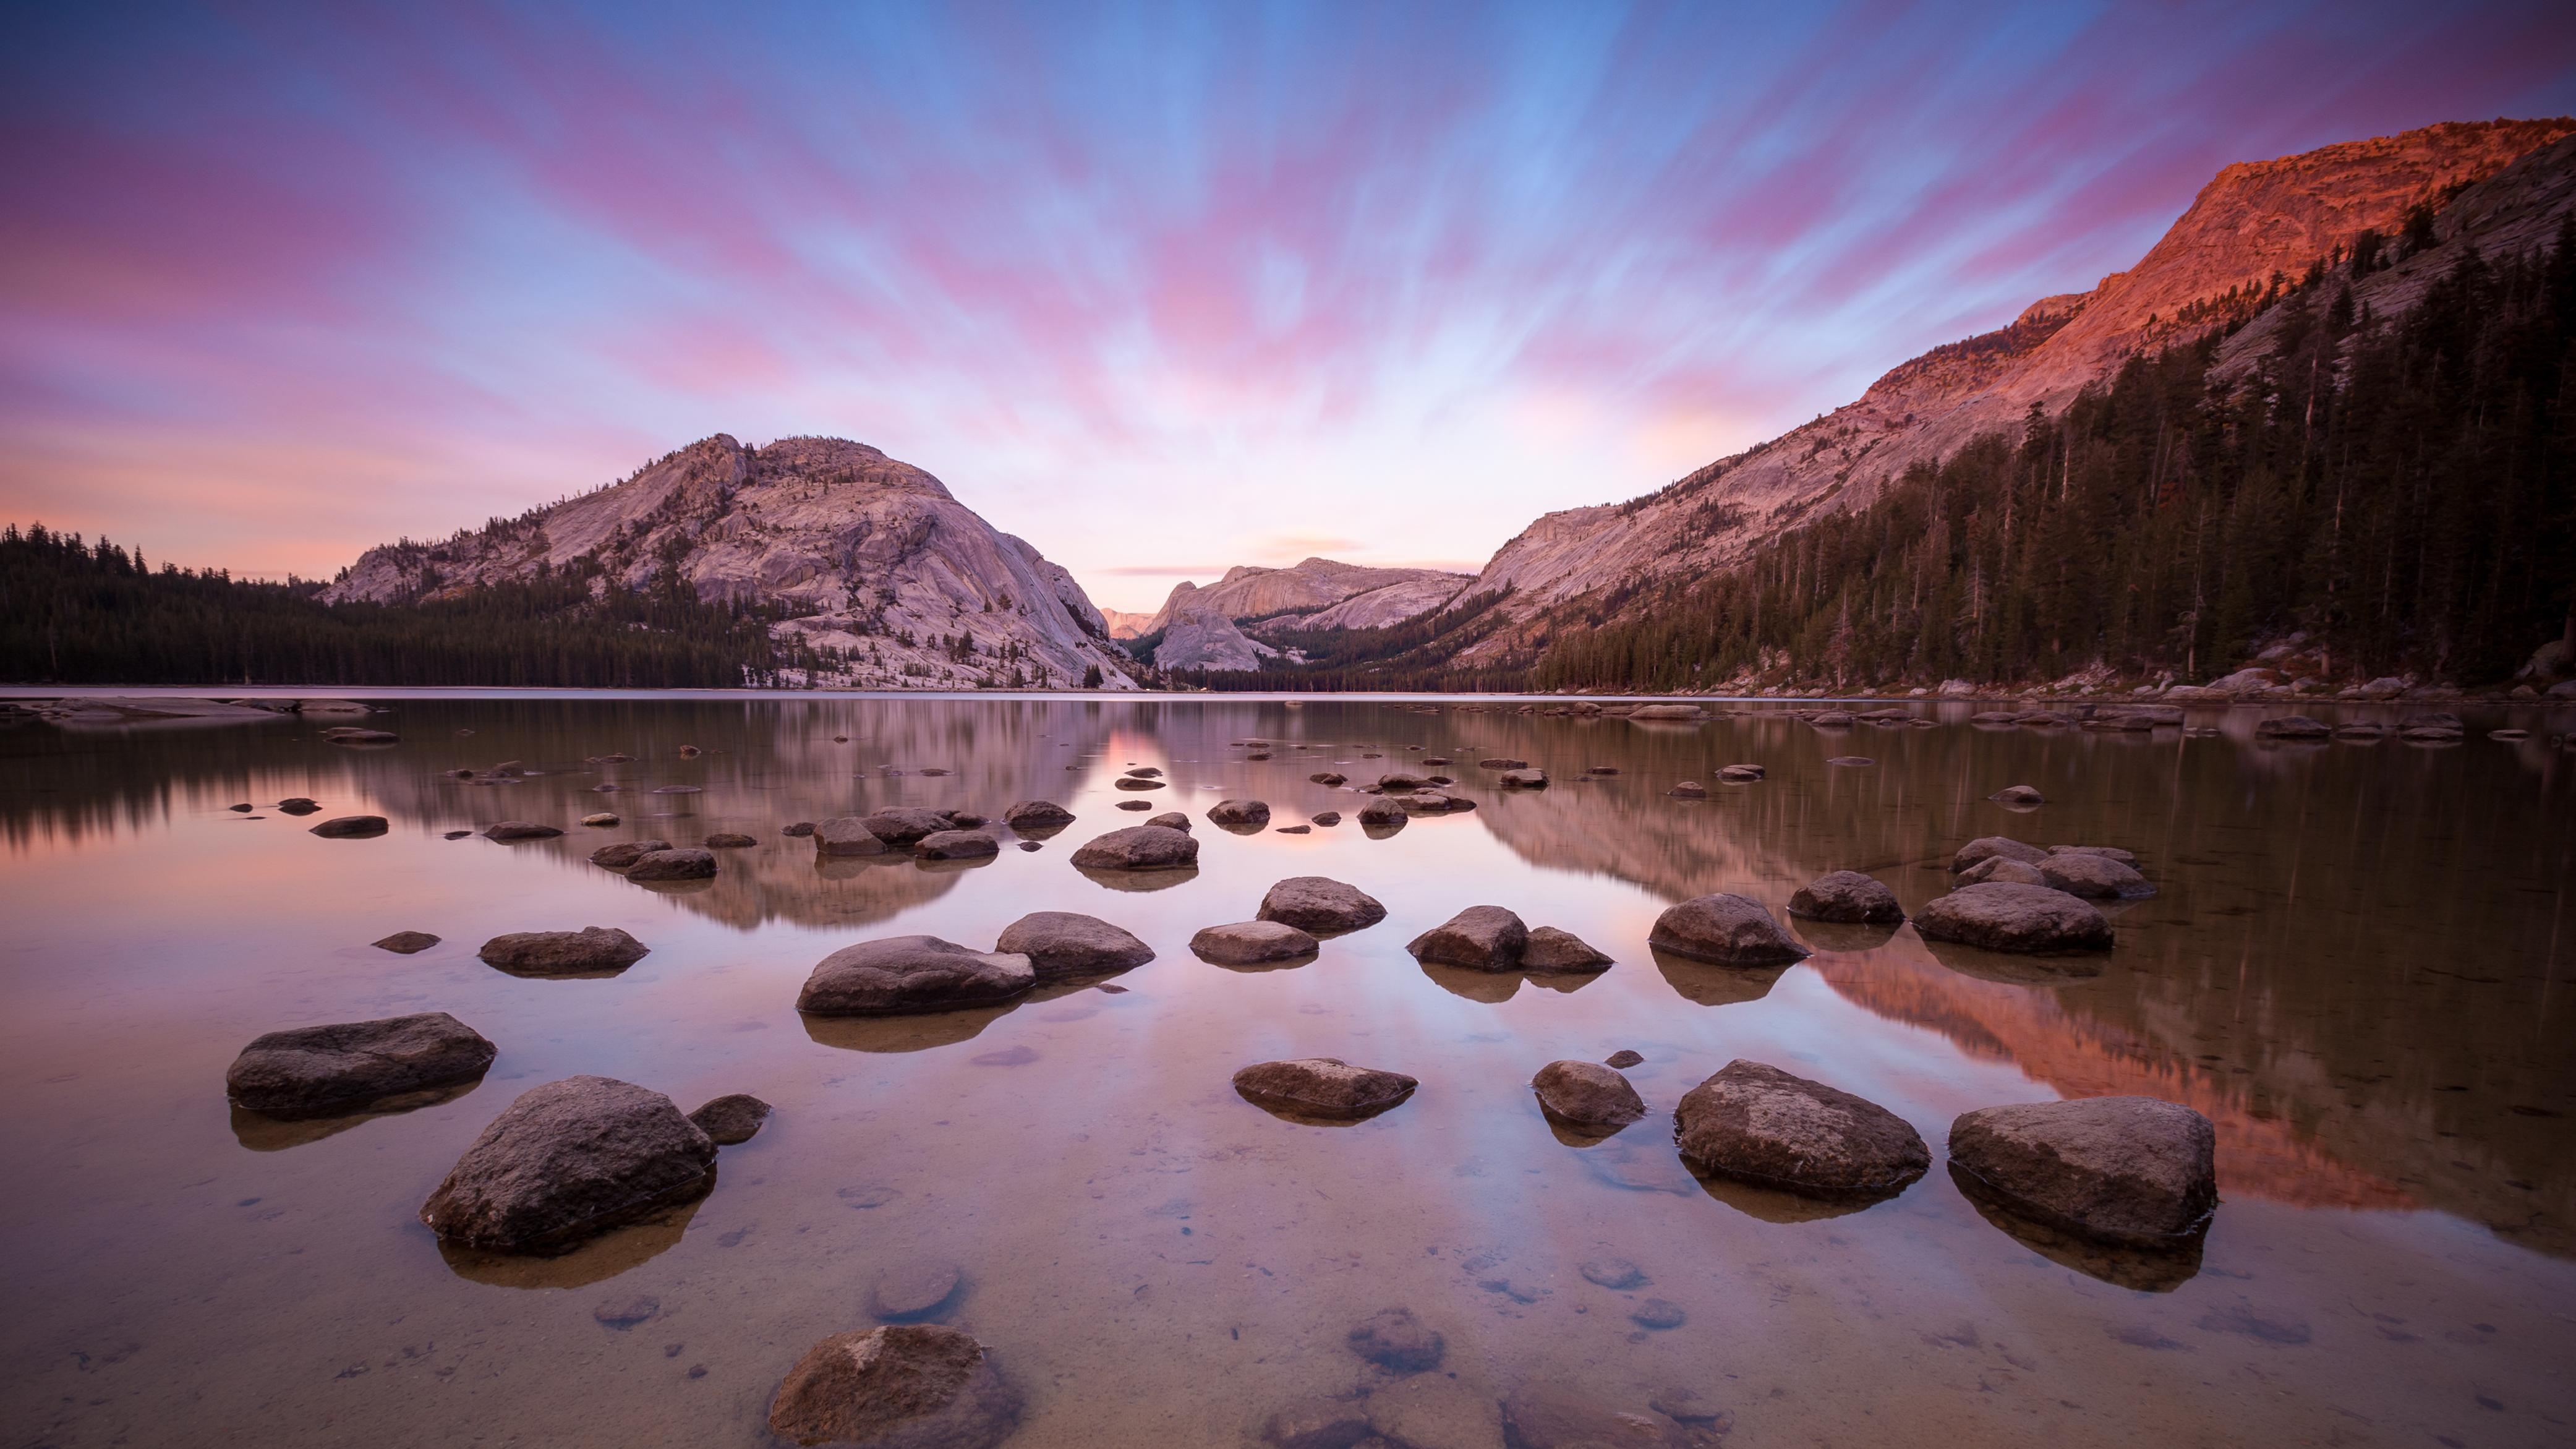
[1322, 1087]
[352, 827]
[1587, 1094]
[1317, 903]
[685, 863]
[908, 975]
[1729, 930]
[1756, 1123]
[317, 1071]
[626, 853]
[1482, 938]
[407, 943]
[1252, 943]
[903, 1386]
[1393, 1338]
[1848, 897]
[563, 953]
[569, 1160]
[732, 1118]
[2032, 919]
[1067, 943]
[1139, 847]
[2131, 1171]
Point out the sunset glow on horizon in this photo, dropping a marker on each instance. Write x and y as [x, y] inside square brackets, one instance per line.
[1161, 290]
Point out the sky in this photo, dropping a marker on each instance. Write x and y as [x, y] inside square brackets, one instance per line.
[1162, 289]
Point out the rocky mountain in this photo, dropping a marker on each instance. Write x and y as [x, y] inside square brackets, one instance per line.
[868, 561]
[1222, 626]
[2255, 225]
[1124, 625]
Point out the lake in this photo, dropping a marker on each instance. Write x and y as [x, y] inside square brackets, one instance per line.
[2352, 967]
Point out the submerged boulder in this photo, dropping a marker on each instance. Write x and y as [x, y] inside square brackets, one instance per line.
[1574, 1416]
[1482, 938]
[1587, 1094]
[1252, 943]
[2031, 919]
[903, 1386]
[1317, 903]
[1139, 847]
[566, 1161]
[316, 1071]
[908, 975]
[1727, 929]
[1322, 1087]
[563, 953]
[1067, 943]
[1397, 1340]
[2132, 1171]
[1848, 897]
[1756, 1123]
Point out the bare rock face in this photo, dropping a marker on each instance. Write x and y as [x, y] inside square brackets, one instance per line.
[2096, 877]
[569, 1160]
[1252, 943]
[1985, 846]
[848, 835]
[1239, 812]
[1730, 930]
[902, 1386]
[1315, 903]
[319, 1071]
[2031, 919]
[626, 853]
[1550, 949]
[1139, 847]
[1848, 897]
[686, 863]
[1481, 938]
[352, 827]
[1067, 943]
[731, 1119]
[563, 953]
[2131, 1171]
[863, 550]
[1199, 625]
[2004, 870]
[1588, 1095]
[909, 975]
[1325, 1087]
[1758, 1124]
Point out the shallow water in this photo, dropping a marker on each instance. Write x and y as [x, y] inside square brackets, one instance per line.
[2354, 967]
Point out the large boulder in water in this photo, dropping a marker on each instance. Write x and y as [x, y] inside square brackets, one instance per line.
[1756, 1123]
[1847, 897]
[1068, 943]
[1986, 847]
[351, 827]
[563, 953]
[686, 863]
[1730, 930]
[568, 1160]
[905, 825]
[731, 1119]
[847, 835]
[903, 1386]
[1316, 903]
[1322, 1087]
[2132, 1171]
[908, 975]
[1036, 815]
[1481, 938]
[1139, 847]
[316, 1071]
[1588, 1095]
[2031, 919]
[2097, 877]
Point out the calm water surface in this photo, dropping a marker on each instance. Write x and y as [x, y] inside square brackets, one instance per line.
[2358, 967]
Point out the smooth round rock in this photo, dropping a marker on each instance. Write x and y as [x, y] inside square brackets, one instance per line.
[732, 1118]
[1987, 846]
[848, 835]
[1741, 774]
[1252, 943]
[915, 1291]
[1068, 943]
[1847, 897]
[1481, 938]
[797, 829]
[352, 827]
[1727, 929]
[602, 819]
[1328, 777]
[317, 1071]
[1384, 814]
[2095, 877]
[1325, 818]
[903, 1386]
[1139, 847]
[2003, 869]
[519, 830]
[956, 845]
[1036, 815]
[299, 805]
[569, 1160]
[2132, 1171]
[684, 863]
[1239, 812]
[728, 840]
[1322, 1087]
[1550, 949]
[625, 853]
[2031, 919]
[1624, 1057]
[1316, 903]
[1587, 1094]
[1756, 1123]
[407, 943]
[906, 825]
[1688, 790]
[909, 975]
[1170, 820]
[563, 953]
[2107, 852]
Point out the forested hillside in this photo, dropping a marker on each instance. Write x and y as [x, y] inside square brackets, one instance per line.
[73, 612]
